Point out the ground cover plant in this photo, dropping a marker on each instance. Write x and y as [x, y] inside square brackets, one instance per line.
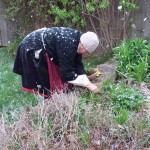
[11, 95]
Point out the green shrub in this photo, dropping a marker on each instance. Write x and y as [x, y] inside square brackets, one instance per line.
[133, 58]
[124, 97]
[83, 15]
[31, 12]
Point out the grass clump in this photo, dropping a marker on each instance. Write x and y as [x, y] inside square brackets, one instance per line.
[12, 47]
[10, 85]
[133, 58]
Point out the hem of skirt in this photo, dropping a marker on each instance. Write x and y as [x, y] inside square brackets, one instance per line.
[33, 91]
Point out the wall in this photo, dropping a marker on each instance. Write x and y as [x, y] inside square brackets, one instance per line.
[6, 29]
[147, 22]
[142, 23]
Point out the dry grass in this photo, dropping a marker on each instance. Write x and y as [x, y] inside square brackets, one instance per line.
[66, 122]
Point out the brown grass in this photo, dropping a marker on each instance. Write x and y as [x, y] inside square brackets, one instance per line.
[61, 123]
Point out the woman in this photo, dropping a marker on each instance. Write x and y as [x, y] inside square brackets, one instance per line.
[51, 58]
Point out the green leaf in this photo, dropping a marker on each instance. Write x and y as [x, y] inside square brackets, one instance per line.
[90, 7]
[104, 4]
[121, 116]
[64, 2]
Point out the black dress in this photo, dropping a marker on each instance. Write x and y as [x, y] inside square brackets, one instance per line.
[60, 44]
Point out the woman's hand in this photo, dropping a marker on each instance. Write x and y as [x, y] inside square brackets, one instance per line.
[93, 88]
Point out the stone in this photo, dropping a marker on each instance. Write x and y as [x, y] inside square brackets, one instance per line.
[108, 73]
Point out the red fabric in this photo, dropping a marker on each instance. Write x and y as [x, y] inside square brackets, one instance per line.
[56, 84]
[33, 91]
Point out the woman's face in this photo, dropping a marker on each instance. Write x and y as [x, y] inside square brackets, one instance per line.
[81, 49]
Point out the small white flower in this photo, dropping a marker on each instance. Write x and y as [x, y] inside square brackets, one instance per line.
[119, 7]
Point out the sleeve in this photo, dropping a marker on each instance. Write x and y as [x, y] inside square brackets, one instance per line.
[66, 55]
[81, 80]
[79, 68]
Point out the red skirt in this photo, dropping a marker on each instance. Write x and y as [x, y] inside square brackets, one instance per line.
[56, 83]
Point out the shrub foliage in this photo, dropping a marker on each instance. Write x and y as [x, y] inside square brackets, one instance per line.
[133, 58]
[108, 18]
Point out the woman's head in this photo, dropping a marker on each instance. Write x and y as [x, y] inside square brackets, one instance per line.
[89, 42]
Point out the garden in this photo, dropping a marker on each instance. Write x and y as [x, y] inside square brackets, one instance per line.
[117, 118]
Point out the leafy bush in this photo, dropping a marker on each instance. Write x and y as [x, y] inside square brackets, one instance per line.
[96, 15]
[39, 13]
[133, 58]
[124, 97]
